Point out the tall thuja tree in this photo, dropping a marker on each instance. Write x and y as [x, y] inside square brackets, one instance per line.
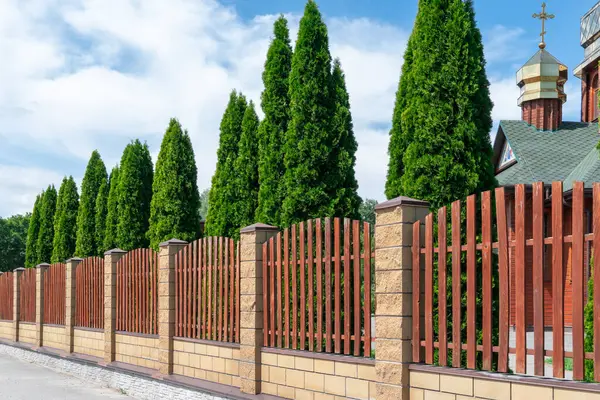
[309, 136]
[342, 184]
[112, 212]
[65, 221]
[46, 233]
[175, 197]
[95, 174]
[32, 233]
[221, 219]
[135, 195]
[101, 213]
[275, 102]
[246, 167]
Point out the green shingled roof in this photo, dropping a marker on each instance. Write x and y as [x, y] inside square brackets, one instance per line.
[568, 154]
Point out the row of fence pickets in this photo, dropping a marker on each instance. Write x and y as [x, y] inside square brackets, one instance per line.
[507, 249]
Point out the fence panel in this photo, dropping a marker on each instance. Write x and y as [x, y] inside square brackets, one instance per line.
[207, 290]
[6, 296]
[27, 295]
[89, 293]
[137, 292]
[329, 307]
[54, 294]
[536, 242]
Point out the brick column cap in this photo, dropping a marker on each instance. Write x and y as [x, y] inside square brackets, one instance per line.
[19, 269]
[173, 242]
[259, 226]
[42, 265]
[74, 259]
[401, 201]
[114, 251]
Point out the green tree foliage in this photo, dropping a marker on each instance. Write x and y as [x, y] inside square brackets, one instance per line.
[342, 184]
[65, 221]
[13, 238]
[309, 136]
[32, 233]
[112, 211]
[445, 110]
[204, 204]
[134, 196]
[95, 174]
[246, 167]
[367, 211]
[221, 219]
[275, 104]
[101, 214]
[175, 198]
[46, 233]
[588, 314]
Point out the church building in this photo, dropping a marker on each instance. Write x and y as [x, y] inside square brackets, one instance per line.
[541, 146]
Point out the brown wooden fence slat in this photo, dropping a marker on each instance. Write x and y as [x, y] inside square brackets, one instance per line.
[205, 258]
[538, 277]
[302, 321]
[347, 295]
[456, 253]
[486, 236]
[237, 304]
[578, 282]
[416, 284]
[503, 278]
[520, 278]
[286, 278]
[596, 277]
[272, 287]
[367, 290]
[294, 289]
[356, 269]
[442, 307]
[337, 287]
[265, 252]
[319, 272]
[311, 288]
[279, 294]
[328, 328]
[429, 289]
[557, 281]
[226, 292]
[471, 283]
[195, 295]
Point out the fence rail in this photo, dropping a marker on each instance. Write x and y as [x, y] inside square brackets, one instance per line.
[508, 251]
[207, 290]
[6, 296]
[326, 305]
[27, 295]
[89, 293]
[54, 294]
[137, 292]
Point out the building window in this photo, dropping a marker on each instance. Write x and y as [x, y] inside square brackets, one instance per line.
[507, 155]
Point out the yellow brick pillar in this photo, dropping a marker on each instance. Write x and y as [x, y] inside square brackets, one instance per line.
[16, 303]
[166, 304]
[393, 294]
[251, 304]
[70, 302]
[111, 258]
[40, 273]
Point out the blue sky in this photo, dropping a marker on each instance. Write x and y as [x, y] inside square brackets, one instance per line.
[95, 74]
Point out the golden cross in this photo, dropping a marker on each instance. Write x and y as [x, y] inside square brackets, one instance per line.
[543, 16]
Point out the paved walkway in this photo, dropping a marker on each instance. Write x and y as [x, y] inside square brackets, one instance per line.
[20, 380]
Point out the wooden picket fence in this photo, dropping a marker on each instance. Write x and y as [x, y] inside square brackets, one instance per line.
[317, 287]
[6, 296]
[507, 254]
[207, 276]
[54, 294]
[89, 293]
[27, 295]
[137, 292]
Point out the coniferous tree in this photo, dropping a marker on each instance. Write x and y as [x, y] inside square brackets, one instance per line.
[112, 212]
[13, 238]
[46, 233]
[135, 195]
[275, 101]
[445, 113]
[101, 213]
[309, 137]
[95, 173]
[246, 168]
[221, 219]
[342, 180]
[65, 221]
[175, 197]
[31, 255]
